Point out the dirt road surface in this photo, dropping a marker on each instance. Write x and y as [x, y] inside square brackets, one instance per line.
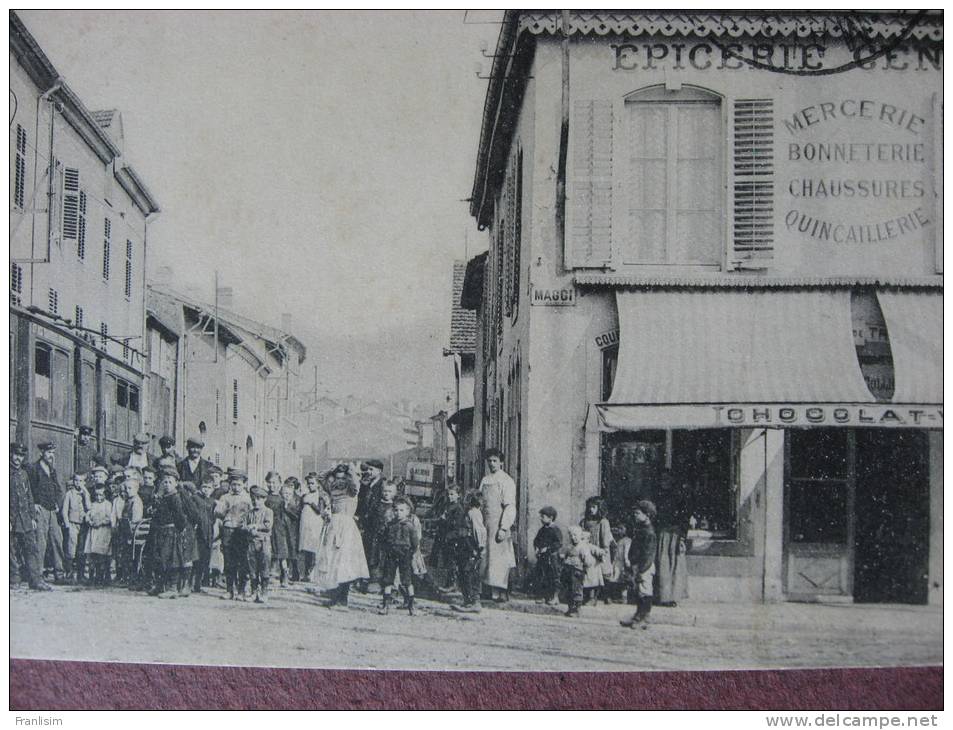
[295, 630]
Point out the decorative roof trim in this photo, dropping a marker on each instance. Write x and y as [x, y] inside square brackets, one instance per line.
[754, 282]
[733, 25]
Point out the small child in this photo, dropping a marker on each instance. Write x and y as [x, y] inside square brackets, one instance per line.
[642, 558]
[579, 557]
[129, 520]
[118, 504]
[621, 573]
[400, 544]
[595, 523]
[547, 543]
[422, 577]
[594, 581]
[75, 507]
[99, 537]
[257, 523]
[466, 540]
[380, 515]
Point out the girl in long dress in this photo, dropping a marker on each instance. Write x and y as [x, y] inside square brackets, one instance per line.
[291, 494]
[315, 503]
[600, 534]
[498, 491]
[341, 559]
[279, 529]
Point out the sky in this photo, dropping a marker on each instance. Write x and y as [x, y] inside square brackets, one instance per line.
[317, 159]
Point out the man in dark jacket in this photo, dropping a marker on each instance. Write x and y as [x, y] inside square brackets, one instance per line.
[194, 468]
[48, 497]
[204, 513]
[642, 558]
[25, 560]
[87, 455]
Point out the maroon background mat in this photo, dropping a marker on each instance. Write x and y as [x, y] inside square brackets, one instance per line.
[54, 685]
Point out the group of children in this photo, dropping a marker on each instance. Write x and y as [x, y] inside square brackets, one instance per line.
[198, 532]
[599, 561]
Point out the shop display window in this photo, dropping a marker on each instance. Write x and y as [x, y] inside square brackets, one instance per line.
[817, 485]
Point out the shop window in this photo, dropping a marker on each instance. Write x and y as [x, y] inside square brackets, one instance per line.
[703, 481]
[632, 464]
[817, 485]
[674, 177]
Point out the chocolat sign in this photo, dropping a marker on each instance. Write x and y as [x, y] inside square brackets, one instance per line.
[822, 414]
[855, 171]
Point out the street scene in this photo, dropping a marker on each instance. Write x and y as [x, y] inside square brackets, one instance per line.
[477, 340]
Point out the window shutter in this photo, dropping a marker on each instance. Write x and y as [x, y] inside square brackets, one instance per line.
[81, 232]
[70, 203]
[754, 180]
[19, 184]
[107, 234]
[508, 241]
[16, 284]
[589, 208]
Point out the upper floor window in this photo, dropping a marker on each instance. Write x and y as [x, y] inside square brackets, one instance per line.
[19, 177]
[674, 150]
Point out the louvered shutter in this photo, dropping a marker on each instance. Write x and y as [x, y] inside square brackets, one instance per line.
[753, 180]
[508, 241]
[81, 232]
[589, 204]
[19, 183]
[70, 203]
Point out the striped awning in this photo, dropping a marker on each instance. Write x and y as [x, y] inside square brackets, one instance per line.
[695, 358]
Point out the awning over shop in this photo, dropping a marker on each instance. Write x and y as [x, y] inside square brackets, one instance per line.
[704, 358]
[915, 326]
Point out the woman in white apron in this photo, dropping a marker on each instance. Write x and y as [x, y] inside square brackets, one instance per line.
[498, 491]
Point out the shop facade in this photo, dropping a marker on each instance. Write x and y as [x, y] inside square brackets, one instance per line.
[715, 280]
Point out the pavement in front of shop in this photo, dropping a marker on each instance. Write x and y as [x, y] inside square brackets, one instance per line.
[295, 630]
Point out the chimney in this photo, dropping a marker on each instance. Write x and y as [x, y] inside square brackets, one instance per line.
[286, 322]
[226, 297]
[163, 276]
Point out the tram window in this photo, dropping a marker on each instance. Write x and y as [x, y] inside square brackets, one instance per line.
[42, 382]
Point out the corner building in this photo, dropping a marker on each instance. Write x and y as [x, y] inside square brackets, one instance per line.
[716, 249]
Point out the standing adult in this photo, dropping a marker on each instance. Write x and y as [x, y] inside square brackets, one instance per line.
[194, 468]
[87, 453]
[315, 504]
[25, 560]
[48, 497]
[138, 456]
[166, 448]
[671, 575]
[498, 491]
[341, 559]
[372, 483]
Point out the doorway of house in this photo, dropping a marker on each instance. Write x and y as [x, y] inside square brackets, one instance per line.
[892, 516]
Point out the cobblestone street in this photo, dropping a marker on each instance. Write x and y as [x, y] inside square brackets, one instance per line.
[295, 630]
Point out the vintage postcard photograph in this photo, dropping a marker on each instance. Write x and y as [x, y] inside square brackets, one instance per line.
[491, 340]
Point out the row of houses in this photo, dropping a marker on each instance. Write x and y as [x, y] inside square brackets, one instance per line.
[715, 261]
[92, 341]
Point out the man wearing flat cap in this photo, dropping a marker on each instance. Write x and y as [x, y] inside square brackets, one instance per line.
[86, 451]
[48, 497]
[194, 468]
[372, 483]
[138, 456]
[25, 560]
[166, 448]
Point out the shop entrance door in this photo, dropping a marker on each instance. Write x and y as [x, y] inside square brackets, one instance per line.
[818, 503]
[893, 517]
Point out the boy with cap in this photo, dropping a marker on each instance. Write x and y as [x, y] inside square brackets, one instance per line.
[466, 537]
[86, 451]
[231, 508]
[169, 519]
[219, 485]
[25, 561]
[642, 559]
[256, 527]
[547, 543]
[98, 547]
[400, 543]
[128, 520]
[48, 497]
[75, 506]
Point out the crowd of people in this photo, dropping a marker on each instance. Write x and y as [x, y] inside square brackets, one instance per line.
[171, 527]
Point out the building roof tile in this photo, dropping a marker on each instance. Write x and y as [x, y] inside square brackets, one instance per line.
[462, 321]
